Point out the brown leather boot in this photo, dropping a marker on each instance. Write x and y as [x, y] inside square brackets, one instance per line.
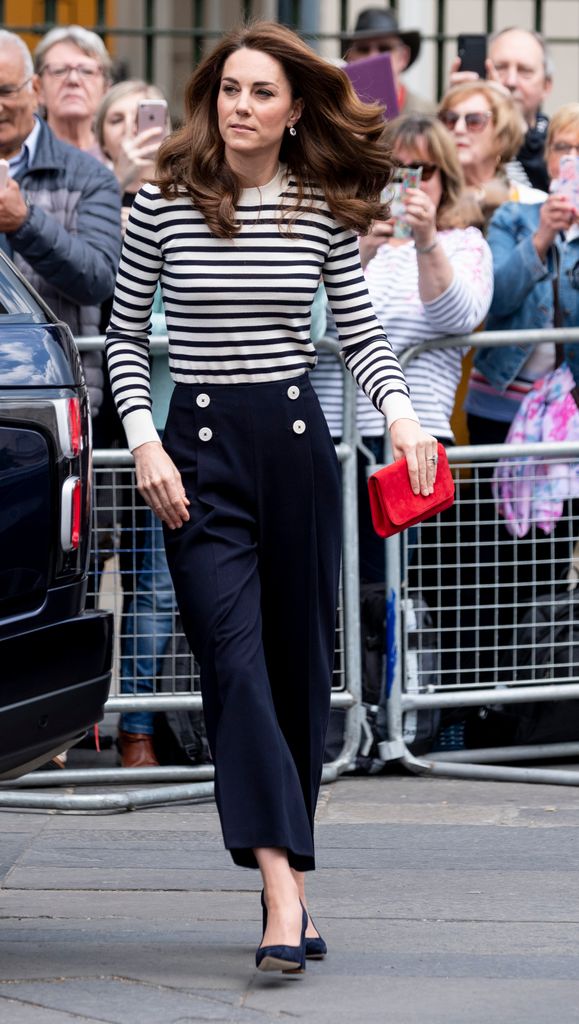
[137, 750]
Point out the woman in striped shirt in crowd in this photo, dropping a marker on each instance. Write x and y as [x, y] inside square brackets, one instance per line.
[275, 171]
[436, 282]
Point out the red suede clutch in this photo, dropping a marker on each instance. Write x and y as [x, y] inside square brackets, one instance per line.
[395, 507]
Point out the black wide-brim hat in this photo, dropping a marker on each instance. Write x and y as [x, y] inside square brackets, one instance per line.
[381, 21]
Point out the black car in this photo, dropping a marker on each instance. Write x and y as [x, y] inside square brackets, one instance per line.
[55, 658]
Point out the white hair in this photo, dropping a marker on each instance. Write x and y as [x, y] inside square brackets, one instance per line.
[87, 41]
[11, 39]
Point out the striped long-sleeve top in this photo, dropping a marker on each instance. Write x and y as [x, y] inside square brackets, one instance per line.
[238, 310]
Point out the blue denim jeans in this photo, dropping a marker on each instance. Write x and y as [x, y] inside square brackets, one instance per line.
[148, 625]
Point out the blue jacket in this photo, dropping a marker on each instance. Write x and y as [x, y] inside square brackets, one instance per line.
[70, 244]
[523, 291]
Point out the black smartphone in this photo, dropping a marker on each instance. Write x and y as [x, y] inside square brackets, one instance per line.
[472, 50]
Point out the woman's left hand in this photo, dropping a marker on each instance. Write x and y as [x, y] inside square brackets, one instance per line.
[421, 451]
[421, 216]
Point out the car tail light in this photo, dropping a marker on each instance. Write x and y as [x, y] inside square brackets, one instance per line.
[74, 426]
[69, 419]
[70, 514]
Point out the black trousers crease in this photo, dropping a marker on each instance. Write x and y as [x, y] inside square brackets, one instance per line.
[256, 573]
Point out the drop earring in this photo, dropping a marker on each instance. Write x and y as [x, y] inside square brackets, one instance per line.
[292, 131]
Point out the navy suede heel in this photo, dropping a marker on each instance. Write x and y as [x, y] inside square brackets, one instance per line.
[289, 959]
[316, 948]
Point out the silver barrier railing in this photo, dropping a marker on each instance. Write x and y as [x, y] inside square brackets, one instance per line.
[176, 675]
[486, 603]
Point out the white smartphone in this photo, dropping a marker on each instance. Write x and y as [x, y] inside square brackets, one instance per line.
[4, 175]
[152, 114]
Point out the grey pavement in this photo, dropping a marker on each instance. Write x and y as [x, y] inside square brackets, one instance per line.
[442, 901]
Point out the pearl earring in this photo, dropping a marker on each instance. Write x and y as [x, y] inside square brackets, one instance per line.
[292, 130]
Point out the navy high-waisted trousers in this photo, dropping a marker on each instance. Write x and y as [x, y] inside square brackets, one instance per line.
[255, 572]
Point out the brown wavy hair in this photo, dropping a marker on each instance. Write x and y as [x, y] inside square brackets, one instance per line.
[338, 147]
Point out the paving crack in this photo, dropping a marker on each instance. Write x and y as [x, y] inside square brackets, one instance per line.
[69, 1014]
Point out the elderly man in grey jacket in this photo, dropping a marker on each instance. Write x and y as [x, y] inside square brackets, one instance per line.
[59, 211]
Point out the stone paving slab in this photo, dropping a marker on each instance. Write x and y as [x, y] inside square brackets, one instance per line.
[339, 845]
[133, 1002]
[471, 894]
[423, 999]
[443, 901]
[14, 1011]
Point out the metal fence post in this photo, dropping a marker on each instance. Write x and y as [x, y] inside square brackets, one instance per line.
[482, 764]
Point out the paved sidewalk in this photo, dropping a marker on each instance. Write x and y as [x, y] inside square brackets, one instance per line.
[442, 901]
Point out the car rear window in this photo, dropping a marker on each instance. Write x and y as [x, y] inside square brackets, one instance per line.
[19, 303]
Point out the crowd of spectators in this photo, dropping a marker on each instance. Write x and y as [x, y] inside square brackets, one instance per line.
[488, 232]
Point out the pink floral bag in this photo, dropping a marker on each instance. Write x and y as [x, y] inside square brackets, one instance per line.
[534, 490]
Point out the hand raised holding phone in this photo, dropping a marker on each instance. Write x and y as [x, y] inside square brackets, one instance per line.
[557, 214]
[471, 61]
[136, 157]
[420, 216]
[561, 209]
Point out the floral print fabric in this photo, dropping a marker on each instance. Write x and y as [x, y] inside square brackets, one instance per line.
[533, 489]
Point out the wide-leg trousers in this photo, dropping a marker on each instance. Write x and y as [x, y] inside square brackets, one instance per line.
[255, 572]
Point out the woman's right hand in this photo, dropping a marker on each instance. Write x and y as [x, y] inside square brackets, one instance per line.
[378, 235]
[557, 214]
[137, 156]
[159, 483]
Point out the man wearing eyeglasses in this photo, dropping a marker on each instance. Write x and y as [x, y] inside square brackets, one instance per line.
[74, 73]
[59, 210]
[519, 60]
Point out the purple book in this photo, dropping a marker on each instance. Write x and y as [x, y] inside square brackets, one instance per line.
[373, 80]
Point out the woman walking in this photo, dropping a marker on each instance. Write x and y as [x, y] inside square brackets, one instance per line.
[262, 190]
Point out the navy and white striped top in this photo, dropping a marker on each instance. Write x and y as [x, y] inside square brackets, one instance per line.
[238, 310]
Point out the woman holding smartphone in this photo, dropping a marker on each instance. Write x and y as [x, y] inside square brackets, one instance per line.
[434, 279]
[262, 190]
[126, 139]
[149, 601]
[532, 246]
[530, 243]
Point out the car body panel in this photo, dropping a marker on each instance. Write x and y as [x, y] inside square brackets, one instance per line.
[55, 659]
[73, 661]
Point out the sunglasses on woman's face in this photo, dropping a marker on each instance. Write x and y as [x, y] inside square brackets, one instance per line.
[475, 121]
[427, 169]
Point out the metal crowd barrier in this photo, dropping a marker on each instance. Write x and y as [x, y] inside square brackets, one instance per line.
[482, 619]
[119, 539]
